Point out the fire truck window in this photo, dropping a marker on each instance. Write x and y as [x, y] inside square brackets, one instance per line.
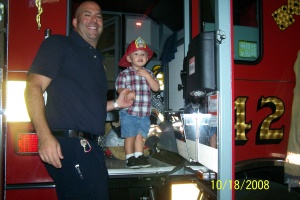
[246, 28]
[245, 13]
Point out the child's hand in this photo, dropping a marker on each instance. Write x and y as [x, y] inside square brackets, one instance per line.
[142, 72]
[130, 95]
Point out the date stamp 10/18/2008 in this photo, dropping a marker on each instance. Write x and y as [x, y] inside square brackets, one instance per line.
[241, 184]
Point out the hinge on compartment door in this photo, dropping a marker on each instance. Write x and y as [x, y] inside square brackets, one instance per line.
[220, 35]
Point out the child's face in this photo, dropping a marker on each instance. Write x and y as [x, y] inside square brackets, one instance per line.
[138, 58]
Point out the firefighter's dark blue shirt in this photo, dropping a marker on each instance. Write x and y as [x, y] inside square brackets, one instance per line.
[76, 96]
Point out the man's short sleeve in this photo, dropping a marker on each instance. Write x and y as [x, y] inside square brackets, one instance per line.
[49, 57]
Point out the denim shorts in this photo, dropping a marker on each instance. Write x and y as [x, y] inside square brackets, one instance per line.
[131, 125]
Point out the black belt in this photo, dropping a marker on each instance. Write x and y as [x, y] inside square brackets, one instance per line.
[74, 133]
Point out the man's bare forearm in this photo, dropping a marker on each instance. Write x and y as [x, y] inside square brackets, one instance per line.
[36, 108]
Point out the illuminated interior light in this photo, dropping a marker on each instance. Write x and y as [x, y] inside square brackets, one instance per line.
[177, 124]
[1, 11]
[138, 23]
[27, 143]
[160, 78]
[161, 117]
[16, 110]
[185, 191]
[152, 128]
[158, 130]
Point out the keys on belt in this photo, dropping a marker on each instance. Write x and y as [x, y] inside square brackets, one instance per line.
[84, 138]
[86, 145]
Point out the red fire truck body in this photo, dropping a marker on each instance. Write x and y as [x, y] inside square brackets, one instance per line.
[262, 94]
[255, 84]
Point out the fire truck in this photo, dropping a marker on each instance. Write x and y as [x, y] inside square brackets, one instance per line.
[236, 56]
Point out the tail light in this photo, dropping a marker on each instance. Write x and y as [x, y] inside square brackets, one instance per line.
[27, 143]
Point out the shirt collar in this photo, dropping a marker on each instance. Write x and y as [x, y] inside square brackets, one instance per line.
[130, 68]
[78, 39]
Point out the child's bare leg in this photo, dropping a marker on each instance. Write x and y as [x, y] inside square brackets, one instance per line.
[139, 151]
[131, 160]
[139, 144]
[129, 145]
